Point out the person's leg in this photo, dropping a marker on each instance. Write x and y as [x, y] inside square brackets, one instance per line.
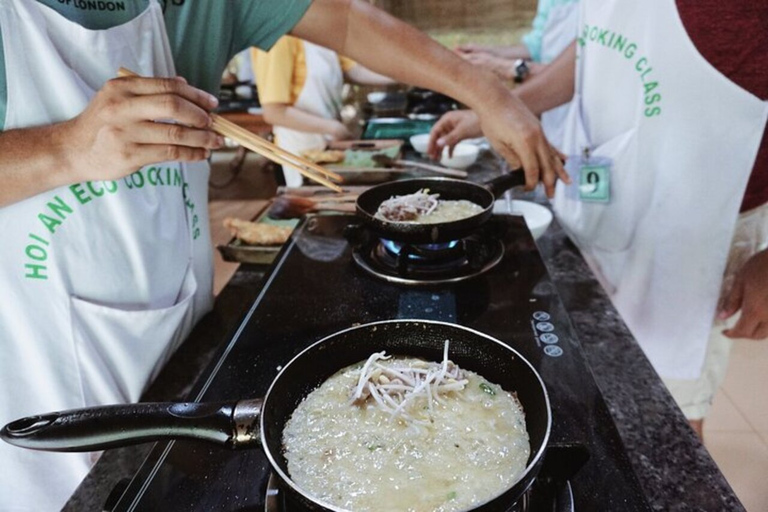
[694, 397]
[698, 427]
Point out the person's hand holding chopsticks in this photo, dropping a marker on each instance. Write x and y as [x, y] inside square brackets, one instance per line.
[263, 147]
[117, 133]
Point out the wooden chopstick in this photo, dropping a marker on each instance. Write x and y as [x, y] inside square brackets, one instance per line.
[265, 148]
[224, 124]
[433, 168]
[248, 142]
[343, 198]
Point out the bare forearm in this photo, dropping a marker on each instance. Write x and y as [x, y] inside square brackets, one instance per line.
[296, 119]
[553, 86]
[33, 161]
[364, 76]
[393, 48]
[518, 51]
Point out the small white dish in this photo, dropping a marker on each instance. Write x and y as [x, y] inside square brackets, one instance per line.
[420, 142]
[537, 217]
[244, 91]
[464, 155]
[376, 96]
[480, 142]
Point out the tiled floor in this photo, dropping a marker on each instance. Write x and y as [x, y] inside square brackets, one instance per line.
[736, 433]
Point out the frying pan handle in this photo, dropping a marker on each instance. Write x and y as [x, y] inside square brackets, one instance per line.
[232, 424]
[506, 181]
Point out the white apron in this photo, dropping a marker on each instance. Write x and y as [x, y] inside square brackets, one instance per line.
[101, 280]
[559, 32]
[683, 140]
[320, 96]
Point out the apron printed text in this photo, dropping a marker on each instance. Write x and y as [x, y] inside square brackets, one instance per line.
[630, 51]
[95, 5]
[58, 209]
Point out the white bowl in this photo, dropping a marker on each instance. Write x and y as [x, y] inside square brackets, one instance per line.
[376, 96]
[464, 155]
[537, 217]
[419, 142]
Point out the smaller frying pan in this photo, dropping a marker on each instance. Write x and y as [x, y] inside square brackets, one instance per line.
[482, 195]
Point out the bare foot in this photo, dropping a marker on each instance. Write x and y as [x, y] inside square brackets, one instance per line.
[698, 427]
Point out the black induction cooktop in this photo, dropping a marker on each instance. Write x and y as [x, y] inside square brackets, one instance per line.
[315, 288]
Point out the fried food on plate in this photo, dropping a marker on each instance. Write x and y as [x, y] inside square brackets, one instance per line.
[256, 233]
[324, 156]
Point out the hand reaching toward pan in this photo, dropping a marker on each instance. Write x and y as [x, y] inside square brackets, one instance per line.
[513, 131]
[452, 128]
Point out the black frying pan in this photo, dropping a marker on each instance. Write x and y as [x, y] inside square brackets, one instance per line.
[483, 195]
[260, 422]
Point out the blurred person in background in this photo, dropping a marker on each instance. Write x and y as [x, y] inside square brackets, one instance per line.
[300, 88]
[667, 145]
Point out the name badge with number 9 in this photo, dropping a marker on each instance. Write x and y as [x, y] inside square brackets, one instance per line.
[591, 178]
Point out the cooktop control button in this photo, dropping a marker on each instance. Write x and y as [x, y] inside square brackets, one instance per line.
[549, 338]
[553, 351]
[545, 327]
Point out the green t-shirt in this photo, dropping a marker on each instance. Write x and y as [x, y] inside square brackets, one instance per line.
[204, 34]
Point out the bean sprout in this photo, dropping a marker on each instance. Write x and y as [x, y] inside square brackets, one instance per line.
[408, 207]
[395, 386]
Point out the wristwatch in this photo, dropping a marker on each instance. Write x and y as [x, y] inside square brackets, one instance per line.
[521, 70]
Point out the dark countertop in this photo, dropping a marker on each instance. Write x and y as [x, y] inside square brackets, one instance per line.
[673, 467]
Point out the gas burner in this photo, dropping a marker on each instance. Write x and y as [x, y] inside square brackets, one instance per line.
[534, 500]
[419, 264]
[420, 252]
[422, 264]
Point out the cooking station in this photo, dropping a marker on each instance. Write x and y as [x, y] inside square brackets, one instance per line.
[617, 441]
[316, 288]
